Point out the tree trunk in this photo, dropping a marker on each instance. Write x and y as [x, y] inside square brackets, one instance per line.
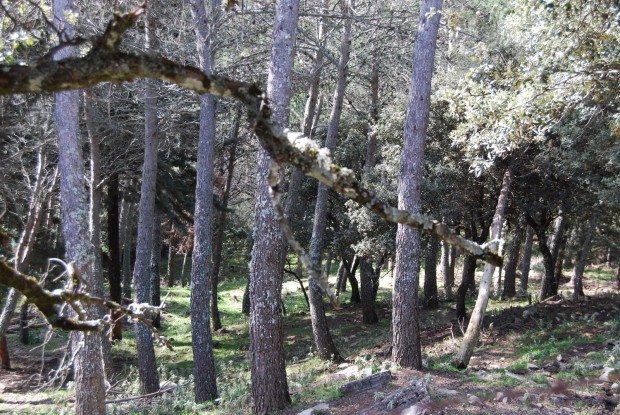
[205, 386]
[5, 359]
[219, 236]
[526, 258]
[88, 361]
[468, 281]
[322, 337]
[147, 365]
[582, 257]
[369, 316]
[184, 267]
[155, 278]
[477, 317]
[341, 285]
[510, 273]
[170, 277]
[114, 244]
[406, 348]
[127, 236]
[448, 261]
[431, 295]
[549, 286]
[267, 357]
[24, 332]
[355, 290]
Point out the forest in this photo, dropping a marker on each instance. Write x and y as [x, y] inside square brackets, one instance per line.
[310, 207]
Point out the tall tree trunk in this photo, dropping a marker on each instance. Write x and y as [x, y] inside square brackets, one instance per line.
[510, 268]
[155, 279]
[88, 361]
[94, 214]
[582, 257]
[147, 365]
[184, 267]
[549, 286]
[205, 386]
[114, 244]
[5, 359]
[341, 285]
[170, 277]
[219, 236]
[526, 258]
[447, 269]
[325, 345]
[406, 348]
[369, 316]
[477, 317]
[267, 367]
[431, 295]
[126, 231]
[24, 332]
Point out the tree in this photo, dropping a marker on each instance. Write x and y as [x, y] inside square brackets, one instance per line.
[205, 387]
[147, 366]
[475, 323]
[88, 363]
[268, 372]
[406, 349]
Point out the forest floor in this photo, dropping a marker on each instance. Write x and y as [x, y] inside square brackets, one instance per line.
[544, 358]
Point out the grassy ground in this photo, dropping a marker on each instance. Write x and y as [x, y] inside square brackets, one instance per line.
[507, 347]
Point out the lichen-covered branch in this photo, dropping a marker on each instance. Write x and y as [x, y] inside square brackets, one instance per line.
[50, 304]
[105, 62]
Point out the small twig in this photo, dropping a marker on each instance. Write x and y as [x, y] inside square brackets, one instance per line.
[148, 395]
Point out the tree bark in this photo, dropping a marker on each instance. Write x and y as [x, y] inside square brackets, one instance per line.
[582, 257]
[369, 316]
[267, 358]
[447, 269]
[88, 361]
[355, 290]
[114, 244]
[406, 348]
[510, 268]
[477, 317]
[526, 258]
[205, 386]
[147, 365]
[126, 231]
[431, 294]
[170, 277]
[468, 282]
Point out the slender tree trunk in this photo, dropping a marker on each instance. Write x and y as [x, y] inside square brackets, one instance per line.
[355, 290]
[582, 257]
[431, 294]
[267, 367]
[205, 386]
[341, 285]
[147, 365]
[406, 348]
[184, 267]
[5, 359]
[88, 361]
[468, 280]
[155, 279]
[526, 258]
[94, 214]
[127, 226]
[477, 317]
[219, 236]
[322, 337]
[510, 273]
[114, 244]
[24, 332]
[369, 316]
[170, 280]
[447, 270]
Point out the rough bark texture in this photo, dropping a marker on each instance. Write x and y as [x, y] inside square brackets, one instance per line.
[369, 316]
[88, 362]
[170, 277]
[267, 359]
[114, 245]
[526, 258]
[468, 275]
[147, 366]
[205, 387]
[510, 268]
[447, 269]
[582, 257]
[431, 294]
[355, 290]
[325, 345]
[406, 348]
[127, 218]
